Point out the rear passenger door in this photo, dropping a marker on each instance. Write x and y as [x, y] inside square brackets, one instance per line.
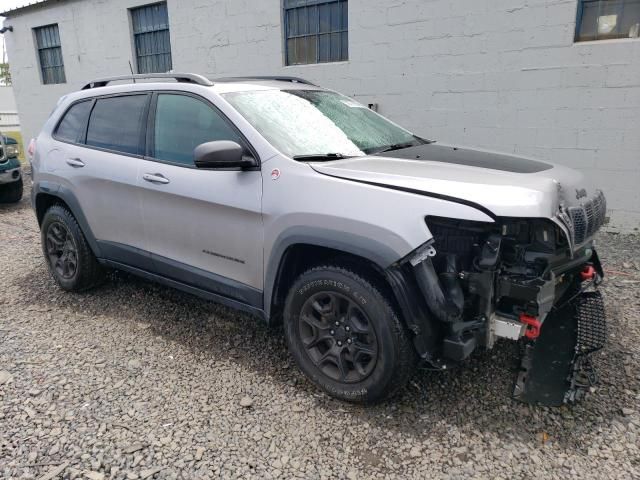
[203, 227]
[102, 168]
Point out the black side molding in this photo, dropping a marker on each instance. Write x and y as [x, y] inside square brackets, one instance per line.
[229, 302]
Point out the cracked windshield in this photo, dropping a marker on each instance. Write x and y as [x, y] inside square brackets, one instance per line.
[314, 123]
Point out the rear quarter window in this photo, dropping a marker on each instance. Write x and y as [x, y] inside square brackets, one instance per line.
[74, 122]
[117, 123]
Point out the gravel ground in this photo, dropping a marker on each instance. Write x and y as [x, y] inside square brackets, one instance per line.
[134, 380]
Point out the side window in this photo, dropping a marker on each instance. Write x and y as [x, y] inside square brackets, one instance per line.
[73, 124]
[182, 123]
[117, 123]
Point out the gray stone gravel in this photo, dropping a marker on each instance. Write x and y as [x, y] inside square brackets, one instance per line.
[134, 381]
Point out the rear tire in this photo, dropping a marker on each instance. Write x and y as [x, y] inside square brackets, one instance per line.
[11, 192]
[67, 253]
[345, 335]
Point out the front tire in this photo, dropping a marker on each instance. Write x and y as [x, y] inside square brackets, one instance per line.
[345, 335]
[11, 192]
[66, 251]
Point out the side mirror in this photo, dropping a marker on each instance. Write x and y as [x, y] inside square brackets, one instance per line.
[221, 154]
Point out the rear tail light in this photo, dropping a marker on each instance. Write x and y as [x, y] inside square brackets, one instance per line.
[31, 149]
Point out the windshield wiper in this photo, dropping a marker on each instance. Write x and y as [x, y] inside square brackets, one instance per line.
[400, 146]
[320, 157]
[395, 146]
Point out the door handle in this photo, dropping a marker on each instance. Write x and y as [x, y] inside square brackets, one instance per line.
[155, 178]
[75, 162]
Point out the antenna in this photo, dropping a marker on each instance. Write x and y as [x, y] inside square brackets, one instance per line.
[132, 75]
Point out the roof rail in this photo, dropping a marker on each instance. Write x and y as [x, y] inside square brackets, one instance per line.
[277, 78]
[178, 77]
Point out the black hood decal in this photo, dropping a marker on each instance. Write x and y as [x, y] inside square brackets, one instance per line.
[470, 158]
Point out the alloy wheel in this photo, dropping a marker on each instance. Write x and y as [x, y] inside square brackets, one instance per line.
[61, 250]
[338, 337]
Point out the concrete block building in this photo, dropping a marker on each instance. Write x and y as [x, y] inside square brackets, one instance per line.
[9, 120]
[558, 80]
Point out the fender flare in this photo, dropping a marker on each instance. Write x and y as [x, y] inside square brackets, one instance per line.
[378, 253]
[69, 198]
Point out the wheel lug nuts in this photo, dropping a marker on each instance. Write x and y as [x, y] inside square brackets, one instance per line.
[347, 328]
[339, 343]
[332, 332]
[349, 340]
[337, 323]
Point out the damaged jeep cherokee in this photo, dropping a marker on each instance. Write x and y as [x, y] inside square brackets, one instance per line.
[377, 249]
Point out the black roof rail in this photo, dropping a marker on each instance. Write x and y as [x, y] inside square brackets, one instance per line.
[178, 77]
[277, 78]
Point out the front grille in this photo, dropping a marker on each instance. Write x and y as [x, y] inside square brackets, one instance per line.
[588, 217]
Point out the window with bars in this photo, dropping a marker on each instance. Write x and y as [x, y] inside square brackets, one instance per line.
[151, 38]
[606, 19]
[316, 31]
[50, 54]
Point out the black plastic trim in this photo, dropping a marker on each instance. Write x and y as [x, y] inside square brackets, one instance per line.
[368, 248]
[415, 311]
[180, 272]
[126, 254]
[207, 281]
[207, 295]
[67, 196]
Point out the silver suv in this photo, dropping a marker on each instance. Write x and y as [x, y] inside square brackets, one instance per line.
[377, 249]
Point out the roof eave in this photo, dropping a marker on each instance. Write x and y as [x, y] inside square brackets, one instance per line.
[19, 10]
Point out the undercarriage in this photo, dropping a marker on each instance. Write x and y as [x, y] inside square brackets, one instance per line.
[518, 279]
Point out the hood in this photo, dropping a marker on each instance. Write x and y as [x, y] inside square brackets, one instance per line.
[507, 186]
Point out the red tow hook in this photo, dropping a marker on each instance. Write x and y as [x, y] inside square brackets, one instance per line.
[588, 273]
[533, 326]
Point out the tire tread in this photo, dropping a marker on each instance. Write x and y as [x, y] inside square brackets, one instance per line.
[407, 359]
[90, 271]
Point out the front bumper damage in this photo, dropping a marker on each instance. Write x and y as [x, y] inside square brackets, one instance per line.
[556, 364]
[557, 368]
[558, 317]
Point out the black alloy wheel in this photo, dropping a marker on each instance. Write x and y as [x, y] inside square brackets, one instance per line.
[345, 334]
[61, 250]
[70, 259]
[338, 337]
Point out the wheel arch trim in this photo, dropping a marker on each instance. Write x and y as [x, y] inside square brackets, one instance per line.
[372, 250]
[65, 195]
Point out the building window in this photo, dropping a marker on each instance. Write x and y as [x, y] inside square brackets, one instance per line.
[151, 38]
[50, 54]
[316, 31]
[606, 19]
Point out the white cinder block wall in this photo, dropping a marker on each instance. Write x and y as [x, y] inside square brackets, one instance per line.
[496, 74]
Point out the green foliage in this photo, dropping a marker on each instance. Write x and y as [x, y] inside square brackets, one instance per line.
[5, 74]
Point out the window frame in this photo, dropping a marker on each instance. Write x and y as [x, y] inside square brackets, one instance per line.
[40, 49]
[134, 35]
[150, 135]
[94, 100]
[579, 15]
[286, 7]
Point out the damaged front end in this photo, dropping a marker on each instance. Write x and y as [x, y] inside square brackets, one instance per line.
[518, 279]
